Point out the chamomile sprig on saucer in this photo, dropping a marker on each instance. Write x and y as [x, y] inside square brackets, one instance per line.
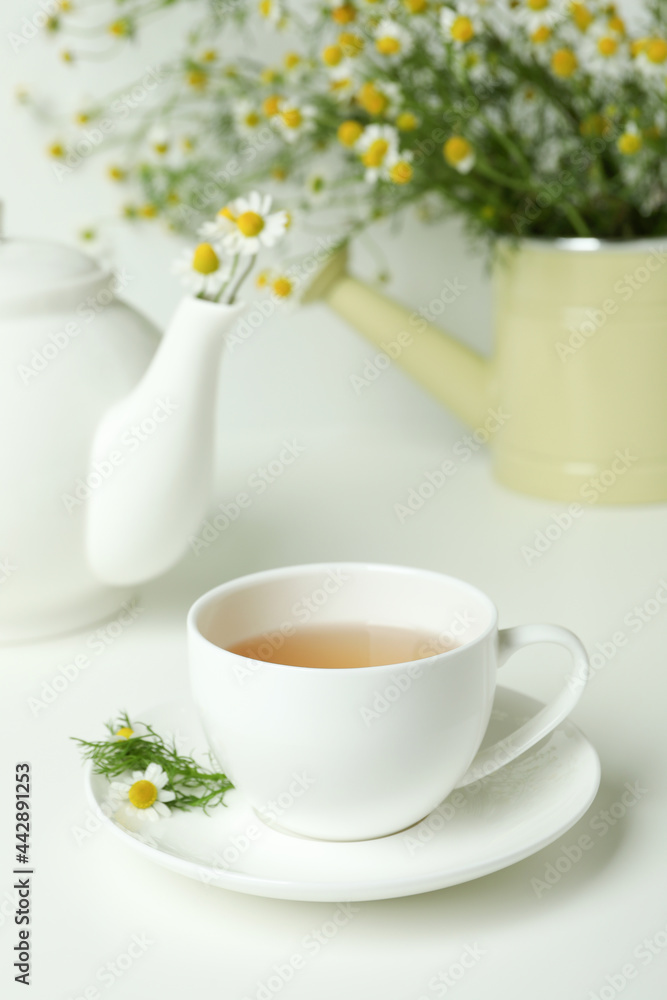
[150, 776]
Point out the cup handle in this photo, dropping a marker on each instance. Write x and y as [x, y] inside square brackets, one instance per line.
[509, 641]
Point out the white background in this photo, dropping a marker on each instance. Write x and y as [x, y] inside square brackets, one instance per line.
[291, 380]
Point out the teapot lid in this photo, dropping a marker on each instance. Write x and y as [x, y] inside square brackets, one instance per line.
[31, 268]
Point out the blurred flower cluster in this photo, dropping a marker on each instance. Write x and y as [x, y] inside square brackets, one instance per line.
[526, 117]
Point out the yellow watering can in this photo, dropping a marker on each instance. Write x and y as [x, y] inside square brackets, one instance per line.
[579, 369]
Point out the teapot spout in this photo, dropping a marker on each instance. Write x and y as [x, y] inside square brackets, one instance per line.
[153, 452]
[454, 374]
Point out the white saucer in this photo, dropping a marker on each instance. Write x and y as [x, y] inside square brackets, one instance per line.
[506, 817]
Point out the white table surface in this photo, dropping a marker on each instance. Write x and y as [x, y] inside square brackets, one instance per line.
[336, 502]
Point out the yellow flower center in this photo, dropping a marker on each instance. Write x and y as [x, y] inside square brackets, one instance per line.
[125, 732]
[540, 35]
[251, 119]
[388, 45]
[56, 150]
[67, 56]
[629, 143]
[116, 173]
[401, 172]
[350, 43]
[82, 117]
[119, 28]
[142, 794]
[656, 50]
[205, 260]
[197, 78]
[262, 279]
[271, 105]
[564, 62]
[456, 150]
[372, 100]
[210, 55]
[349, 132]
[148, 211]
[279, 173]
[607, 46]
[581, 15]
[265, 7]
[341, 84]
[267, 75]
[161, 148]
[406, 121]
[617, 24]
[415, 6]
[282, 287]
[462, 29]
[375, 154]
[332, 55]
[537, 4]
[594, 124]
[227, 213]
[292, 118]
[250, 223]
[344, 14]
[291, 60]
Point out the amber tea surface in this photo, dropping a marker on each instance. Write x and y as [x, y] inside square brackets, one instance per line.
[344, 646]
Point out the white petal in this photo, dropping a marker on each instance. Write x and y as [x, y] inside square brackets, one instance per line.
[153, 773]
[137, 775]
[166, 795]
[160, 809]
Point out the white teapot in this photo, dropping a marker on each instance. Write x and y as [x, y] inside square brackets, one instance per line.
[106, 440]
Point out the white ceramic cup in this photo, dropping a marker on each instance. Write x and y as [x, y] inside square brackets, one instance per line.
[355, 754]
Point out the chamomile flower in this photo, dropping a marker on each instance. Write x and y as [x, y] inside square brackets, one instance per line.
[159, 143]
[343, 81]
[202, 271]
[459, 153]
[378, 150]
[630, 141]
[144, 794]
[459, 26]
[246, 225]
[535, 13]
[295, 119]
[392, 40]
[378, 97]
[604, 53]
[124, 729]
[273, 12]
[651, 57]
[247, 118]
